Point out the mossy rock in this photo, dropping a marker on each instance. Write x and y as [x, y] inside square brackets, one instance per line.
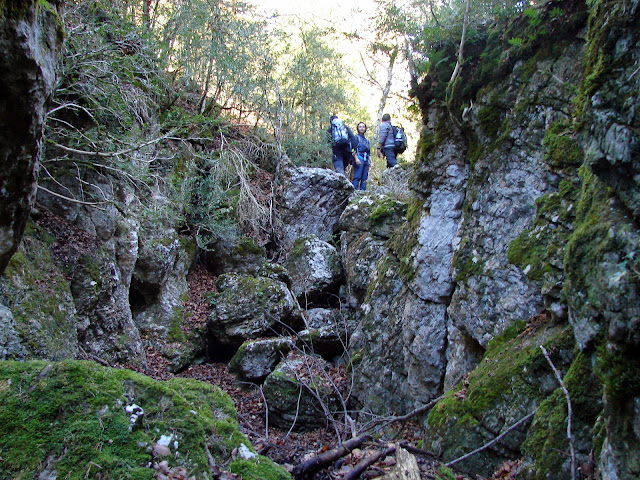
[74, 420]
[547, 447]
[39, 296]
[510, 382]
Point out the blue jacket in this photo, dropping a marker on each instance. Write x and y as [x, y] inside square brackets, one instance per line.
[362, 147]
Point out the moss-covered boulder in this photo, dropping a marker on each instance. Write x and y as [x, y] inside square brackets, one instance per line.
[328, 332]
[250, 307]
[511, 382]
[255, 359]
[315, 271]
[79, 420]
[237, 255]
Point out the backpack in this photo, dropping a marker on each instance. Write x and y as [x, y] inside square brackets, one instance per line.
[400, 140]
[339, 135]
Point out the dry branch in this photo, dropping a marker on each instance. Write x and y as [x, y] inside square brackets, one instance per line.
[361, 467]
[492, 442]
[569, 411]
[409, 415]
[319, 461]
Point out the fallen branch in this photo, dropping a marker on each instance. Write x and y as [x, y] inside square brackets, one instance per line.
[417, 451]
[326, 458]
[569, 411]
[361, 467]
[492, 442]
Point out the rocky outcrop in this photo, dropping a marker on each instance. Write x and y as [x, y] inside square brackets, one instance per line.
[30, 34]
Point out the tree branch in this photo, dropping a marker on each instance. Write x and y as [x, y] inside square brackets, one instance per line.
[360, 468]
[326, 458]
[569, 411]
[492, 442]
[73, 200]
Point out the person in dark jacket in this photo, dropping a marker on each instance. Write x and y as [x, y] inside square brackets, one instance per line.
[386, 141]
[341, 138]
[362, 158]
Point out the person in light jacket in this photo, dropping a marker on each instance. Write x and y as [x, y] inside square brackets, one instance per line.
[386, 141]
[363, 158]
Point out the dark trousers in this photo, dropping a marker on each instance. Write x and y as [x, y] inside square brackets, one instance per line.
[341, 158]
[390, 154]
[360, 174]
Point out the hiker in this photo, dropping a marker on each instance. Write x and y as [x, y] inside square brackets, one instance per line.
[362, 158]
[386, 141]
[341, 138]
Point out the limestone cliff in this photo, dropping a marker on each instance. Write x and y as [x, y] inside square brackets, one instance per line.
[526, 211]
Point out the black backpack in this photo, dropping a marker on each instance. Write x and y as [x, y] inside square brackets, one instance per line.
[339, 135]
[400, 140]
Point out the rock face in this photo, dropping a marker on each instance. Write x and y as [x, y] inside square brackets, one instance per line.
[30, 35]
[10, 348]
[525, 210]
[399, 345]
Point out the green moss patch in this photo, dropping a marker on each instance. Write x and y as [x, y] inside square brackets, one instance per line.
[76, 419]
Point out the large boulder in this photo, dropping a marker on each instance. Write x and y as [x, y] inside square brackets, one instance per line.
[248, 307]
[234, 255]
[328, 332]
[30, 34]
[255, 359]
[312, 201]
[54, 413]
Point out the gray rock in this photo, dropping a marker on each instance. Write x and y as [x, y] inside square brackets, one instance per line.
[315, 271]
[10, 348]
[328, 333]
[312, 201]
[251, 307]
[255, 359]
[299, 394]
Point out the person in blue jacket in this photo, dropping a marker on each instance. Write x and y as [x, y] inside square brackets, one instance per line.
[362, 163]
